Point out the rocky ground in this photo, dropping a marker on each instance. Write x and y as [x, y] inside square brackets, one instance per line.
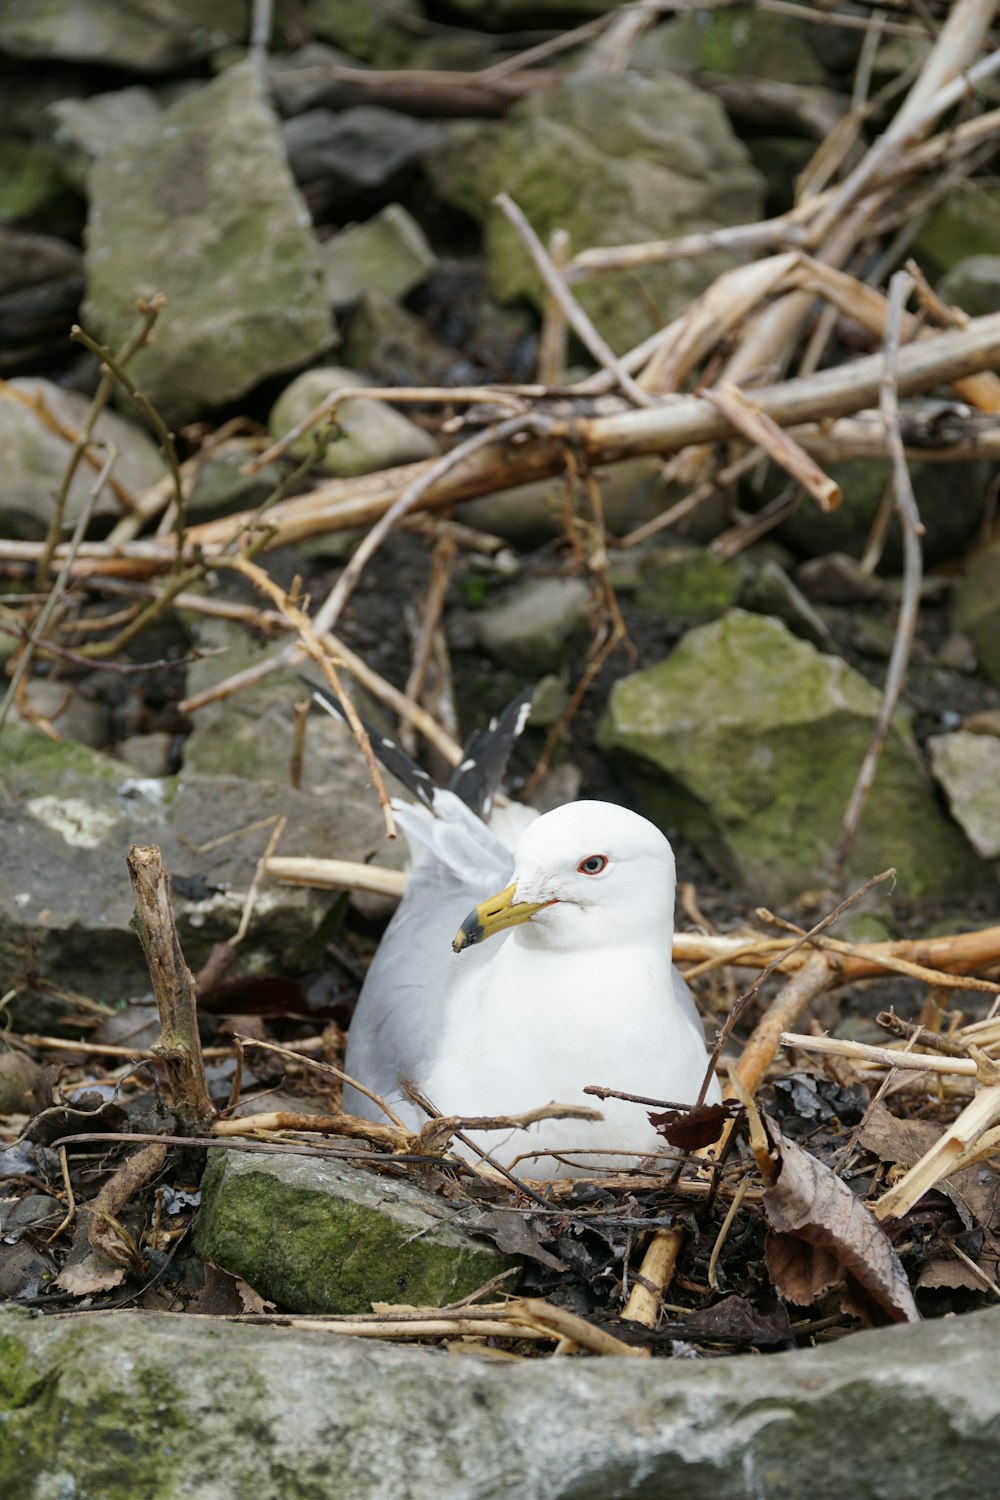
[240, 240]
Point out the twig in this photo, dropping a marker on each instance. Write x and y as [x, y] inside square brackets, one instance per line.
[179, 1047]
[258, 876]
[764, 433]
[559, 290]
[56, 593]
[325, 1067]
[909, 519]
[911, 1062]
[336, 874]
[552, 337]
[655, 1275]
[442, 560]
[314, 648]
[70, 1200]
[723, 1235]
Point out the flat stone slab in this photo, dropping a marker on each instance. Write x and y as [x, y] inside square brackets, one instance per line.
[129, 1406]
[326, 1236]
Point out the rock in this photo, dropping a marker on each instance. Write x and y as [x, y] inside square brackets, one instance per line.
[611, 160]
[387, 254]
[549, 702]
[81, 130]
[28, 259]
[362, 148]
[36, 1209]
[749, 741]
[687, 583]
[269, 1411]
[301, 80]
[33, 458]
[221, 486]
[32, 189]
[394, 346]
[67, 819]
[369, 435]
[149, 754]
[324, 1236]
[973, 284]
[987, 721]
[535, 624]
[530, 513]
[736, 44]
[838, 578]
[118, 33]
[770, 591]
[949, 497]
[71, 715]
[957, 653]
[968, 767]
[977, 608]
[965, 223]
[199, 204]
[378, 36]
[18, 1076]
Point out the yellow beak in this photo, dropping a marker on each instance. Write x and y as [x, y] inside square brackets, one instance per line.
[494, 915]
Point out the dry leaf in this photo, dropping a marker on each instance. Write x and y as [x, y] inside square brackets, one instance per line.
[811, 1204]
[692, 1129]
[976, 1188]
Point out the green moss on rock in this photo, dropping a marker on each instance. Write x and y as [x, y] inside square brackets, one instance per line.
[749, 740]
[318, 1236]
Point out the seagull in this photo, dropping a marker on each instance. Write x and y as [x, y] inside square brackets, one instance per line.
[495, 1005]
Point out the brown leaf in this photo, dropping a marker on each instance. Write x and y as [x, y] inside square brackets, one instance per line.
[225, 1294]
[977, 1188]
[691, 1129]
[809, 1202]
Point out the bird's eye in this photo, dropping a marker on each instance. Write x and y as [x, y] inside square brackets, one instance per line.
[593, 864]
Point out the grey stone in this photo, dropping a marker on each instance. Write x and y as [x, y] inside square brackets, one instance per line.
[977, 608]
[532, 628]
[957, 653]
[364, 147]
[949, 498]
[81, 130]
[35, 1209]
[71, 715]
[300, 80]
[529, 513]
[744, 44]
[966, 222]
[221, 487]
[28, 259]
[388, 253]
[175, 1406]
[67, 820]
[749, 740]
[973, 285]
[374, 33]
[687, 583]
[149, 754]
[770, 591]
[199, 204]
[611, 160]
[968, 767]
[33, 458]
[152, 37]
[368, 435]
[18, 1076]
[326, 1236]
[394, 346]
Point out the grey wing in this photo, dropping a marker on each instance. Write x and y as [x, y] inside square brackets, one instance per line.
[398, 1019]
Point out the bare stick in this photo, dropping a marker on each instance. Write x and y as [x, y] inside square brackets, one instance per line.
[885, 1057]
[560, 292]
[765, 433]
[179, 1047]
[552, 338]
[909, 518]
[320, 656]
[442, 559]
[56, 592]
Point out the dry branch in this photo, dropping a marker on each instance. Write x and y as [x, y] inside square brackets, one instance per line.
[179, 1047]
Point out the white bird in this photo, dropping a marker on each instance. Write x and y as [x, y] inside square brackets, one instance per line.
[572, 985]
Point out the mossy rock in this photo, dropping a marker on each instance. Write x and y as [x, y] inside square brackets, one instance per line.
[749, 740]
[323, 1236]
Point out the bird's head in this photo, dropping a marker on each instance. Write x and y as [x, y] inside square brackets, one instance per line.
[585, 874]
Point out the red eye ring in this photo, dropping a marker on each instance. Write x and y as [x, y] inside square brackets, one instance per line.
[594, 864]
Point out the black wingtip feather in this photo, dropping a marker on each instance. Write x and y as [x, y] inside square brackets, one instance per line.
[392, 756]
[487, 752]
